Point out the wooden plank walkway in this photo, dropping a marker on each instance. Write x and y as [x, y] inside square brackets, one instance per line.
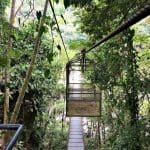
[75, 141]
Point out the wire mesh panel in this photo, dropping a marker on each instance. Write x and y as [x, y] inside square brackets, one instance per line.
[82, 98]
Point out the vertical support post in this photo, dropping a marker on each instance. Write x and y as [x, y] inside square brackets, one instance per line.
[83, 60]
[95, 95]
[67, 83]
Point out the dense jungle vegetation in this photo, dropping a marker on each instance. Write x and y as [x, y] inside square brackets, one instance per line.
[32, 72]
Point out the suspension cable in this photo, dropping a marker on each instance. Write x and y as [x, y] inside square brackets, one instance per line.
[58, 29]
[144, 12]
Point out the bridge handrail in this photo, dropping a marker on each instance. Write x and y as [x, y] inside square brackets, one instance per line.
[18, 128]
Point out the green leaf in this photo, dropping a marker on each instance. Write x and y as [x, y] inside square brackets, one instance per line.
[47, 73]
[19, 21]
[59, 47]
[66, 3]
[57, 1]
[47, 20]
[38, 15]
[50, 57]
[42, 30]
[14, 53]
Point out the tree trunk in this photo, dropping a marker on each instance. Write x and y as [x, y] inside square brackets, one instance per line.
[132, 92]
[16, 110]
[7, 69]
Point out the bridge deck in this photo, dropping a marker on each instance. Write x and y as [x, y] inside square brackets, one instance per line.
[75, 141]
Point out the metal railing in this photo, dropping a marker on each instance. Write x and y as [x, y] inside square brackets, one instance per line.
[18, 128]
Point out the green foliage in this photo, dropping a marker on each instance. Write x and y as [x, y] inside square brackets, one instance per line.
[3, 5]
[50, 57]
[43, 88]
[90, 144]
[49, 132]
[117, 74]
[3, 61]
[4, 28]
[42, 30]
[77, 44]
[122, 74]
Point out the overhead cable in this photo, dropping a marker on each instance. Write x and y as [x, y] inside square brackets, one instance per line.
[144, 12]
[58, 29]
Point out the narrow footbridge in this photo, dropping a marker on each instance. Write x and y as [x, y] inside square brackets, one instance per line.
[75, 141]
[82, 100]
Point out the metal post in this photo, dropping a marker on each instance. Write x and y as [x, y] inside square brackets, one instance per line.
[67, 83]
